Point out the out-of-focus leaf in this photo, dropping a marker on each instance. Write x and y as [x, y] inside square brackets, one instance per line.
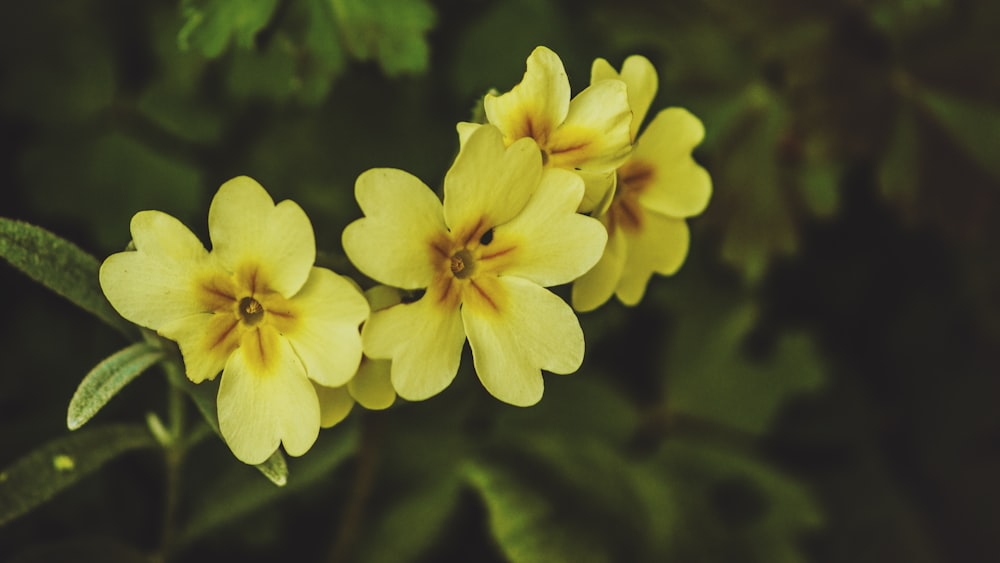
[60, 266]
[974, 126]
[58, 464]
[708, 373]
[518, 25]
[211, 24]
[819, 180]
[81, 550]
[899, 171]
[108, 179]
[107, 379]
[734, 507]
[391, 32]
[204, 397]
[758, 223]
[237, 493]
[412, 523]
[552, 499]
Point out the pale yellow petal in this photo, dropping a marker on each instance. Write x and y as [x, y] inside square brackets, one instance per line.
[659, 247]
[335, 403]
[536, 331]
[640, 77]
[465, 130]
[206, 341]
[598, 191]
[489, 182]
[403, 217]
[537, 105]
[595, 135]
[424, 341]
[553, 243]
[248, 228]
[156, 283]
[258, 410]
[326, 332]
[372, 386]
[680, 186]
[593, 289]
[601, 69]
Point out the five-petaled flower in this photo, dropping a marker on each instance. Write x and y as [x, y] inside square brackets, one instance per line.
[657, 188]
[506, 230]
[279, 329]
[588, 135]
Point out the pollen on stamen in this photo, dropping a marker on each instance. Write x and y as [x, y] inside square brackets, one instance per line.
[251, 311]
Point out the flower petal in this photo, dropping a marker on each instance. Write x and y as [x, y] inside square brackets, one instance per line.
[335, 403]
[593, 289]
[247, 227]
[537, 105]
[639, 76]
[537, 330]
[465, 130]
[403, 217]
[488, 181]
[372, 386]
[206, 341]
[156, 283]
[595, 134]
[680, 186]
[262, 404]
[324, 329]
[553, 243]
[424, 341]
[660, 246]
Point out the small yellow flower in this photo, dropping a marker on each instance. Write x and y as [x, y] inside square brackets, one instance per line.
[658, 187]
[588, 135]
[254, 308]
[506, 230]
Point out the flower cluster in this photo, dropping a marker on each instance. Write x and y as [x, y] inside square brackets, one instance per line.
[551, 190]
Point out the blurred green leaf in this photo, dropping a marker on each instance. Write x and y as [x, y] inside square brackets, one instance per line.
[974, 126]
[899, 171]
[236, 493]
[391, 32]
[108, 178]
[412, 523]
[757, 219]
[81, 550]
[54, 466]
[107, 379]
[709, 375]
[211, 24]
[734, 507]
[60, 266]
[204, 397]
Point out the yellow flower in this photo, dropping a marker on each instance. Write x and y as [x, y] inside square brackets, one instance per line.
[506, 230]
[588, 135]
[254, 308]
[658, 187]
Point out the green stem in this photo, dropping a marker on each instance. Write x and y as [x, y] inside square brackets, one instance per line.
[174, 459]
[364, 478]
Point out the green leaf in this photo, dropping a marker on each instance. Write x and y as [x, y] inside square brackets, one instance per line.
[734, 507]
[237, 493]
[975, 127]
[392, 32]
[211, 24]
[899, 171]
[204, 397]
[60, 266]
[410, 526]
[107, 379]
[708, 373]
[40, 475]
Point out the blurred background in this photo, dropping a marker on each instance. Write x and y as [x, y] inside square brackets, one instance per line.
[818, 382]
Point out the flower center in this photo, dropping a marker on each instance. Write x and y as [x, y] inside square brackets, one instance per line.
[251, 311]
[634, 178]
[463, 264]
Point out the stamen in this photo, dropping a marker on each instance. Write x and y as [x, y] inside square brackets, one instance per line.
[462, 264]
[251, 311]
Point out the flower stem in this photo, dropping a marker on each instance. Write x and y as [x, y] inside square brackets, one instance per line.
[174, 459]
[372, 426]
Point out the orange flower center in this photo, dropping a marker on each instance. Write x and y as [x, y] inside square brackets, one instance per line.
[625, 212]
